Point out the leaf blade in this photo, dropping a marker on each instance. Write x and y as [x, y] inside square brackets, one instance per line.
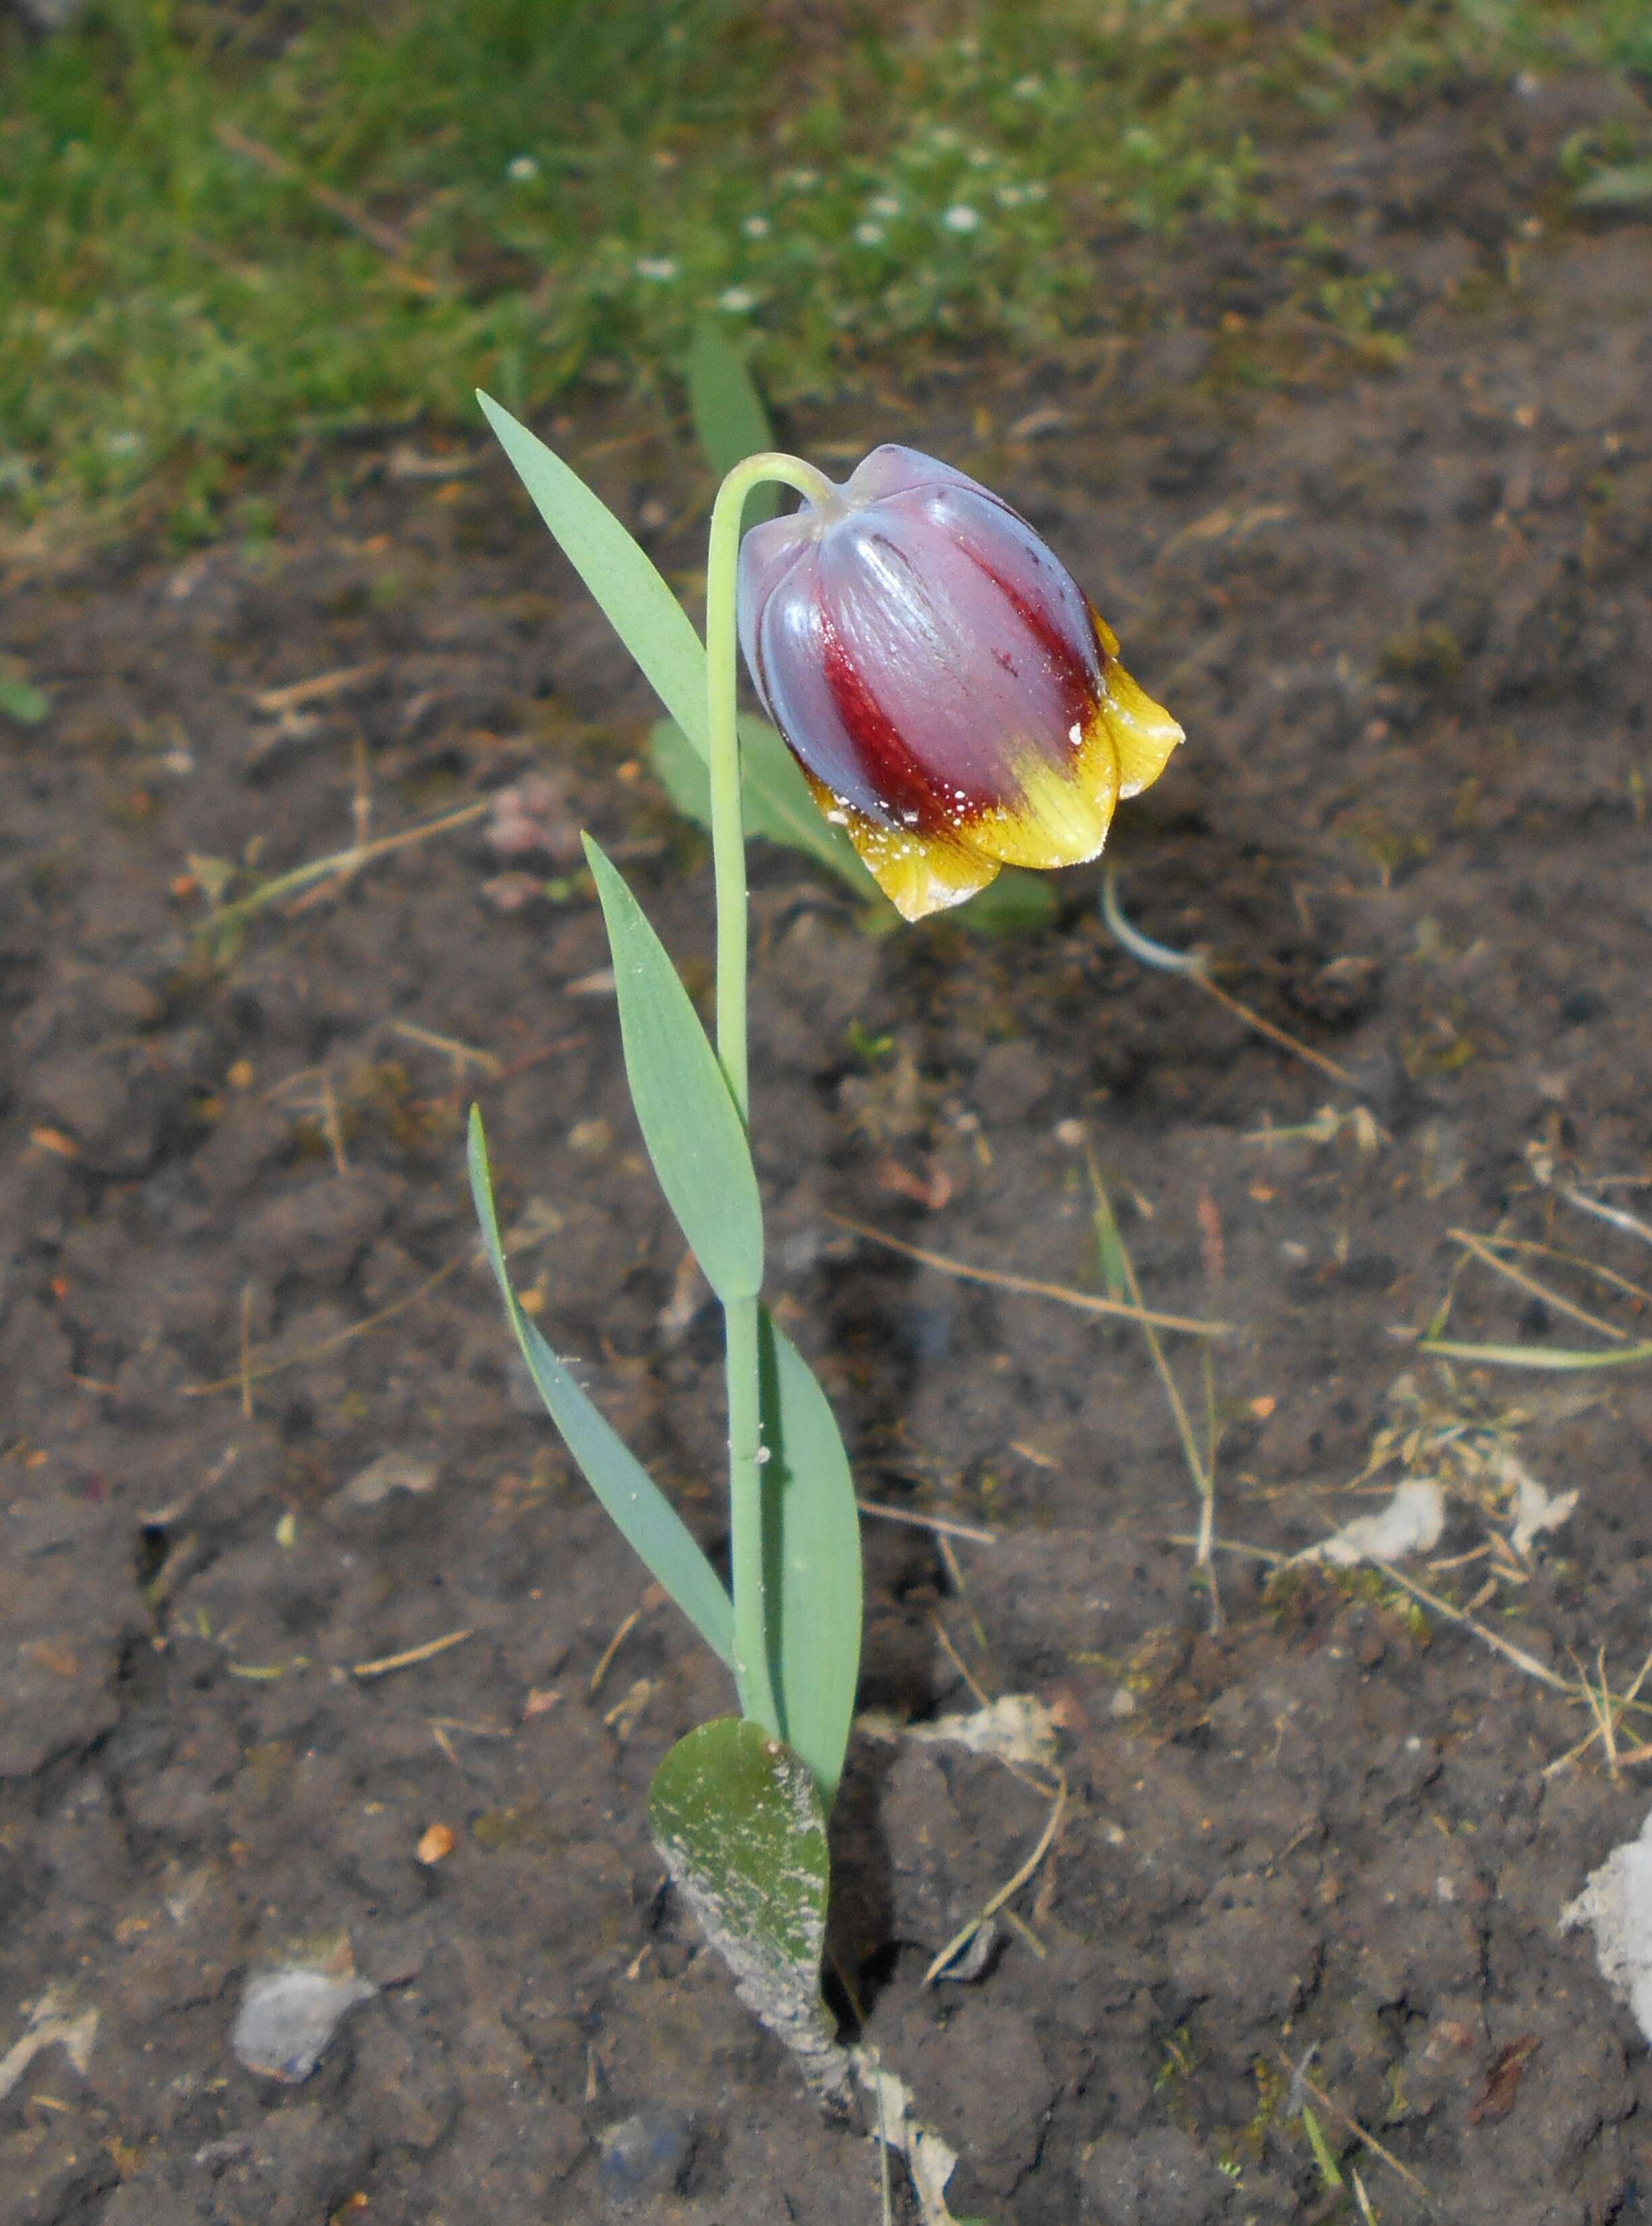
[812, 1547]
[691, 1125]
[626, 585]
[635, 1504]
[739, 1824]
[729, 419]
[1543, 1356]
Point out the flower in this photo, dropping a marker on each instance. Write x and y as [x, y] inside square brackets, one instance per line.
[737, 299]
[868, 234]
[755, 227]
[659, 268]
[960, 218]
[521, 168]
[956, 704]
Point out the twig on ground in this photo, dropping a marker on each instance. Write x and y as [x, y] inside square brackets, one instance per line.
[337, 862]
[1297, 2073]
[461, 1054]
[385, 238]
[956, 1946]
[1483, 1249]
[1195, 966]
[611, 1650]
[406, 1660]
[247, 1375]
[1085, 1301]
[273, 701]
[1111, 1241]
[942, 1526]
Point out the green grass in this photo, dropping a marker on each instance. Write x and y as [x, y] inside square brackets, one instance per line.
[555, 189]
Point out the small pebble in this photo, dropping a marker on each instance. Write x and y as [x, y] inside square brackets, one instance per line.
[287, 2018]
[649, 2154]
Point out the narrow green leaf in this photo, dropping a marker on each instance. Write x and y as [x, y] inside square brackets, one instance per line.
[21, 700]
[812, 1548]
[644, 1518]
[1550, 1356]
[1111, 1256]
[1628, 186]
[727, 412]
[1321, 2147]
[738, 1822]
[689, 1123]
[775, 799]
[1016, 903]
[636, 601]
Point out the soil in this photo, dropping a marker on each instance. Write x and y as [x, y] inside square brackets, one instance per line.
[263, 1433]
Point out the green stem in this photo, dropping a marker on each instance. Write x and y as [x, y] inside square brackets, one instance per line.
[754, 1669]
[722, 673]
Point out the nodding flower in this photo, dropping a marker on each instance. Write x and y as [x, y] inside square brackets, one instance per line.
[955, 702]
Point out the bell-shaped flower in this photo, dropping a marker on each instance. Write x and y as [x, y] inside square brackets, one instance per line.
[956, 702]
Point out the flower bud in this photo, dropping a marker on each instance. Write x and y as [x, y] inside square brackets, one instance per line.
[953, 699]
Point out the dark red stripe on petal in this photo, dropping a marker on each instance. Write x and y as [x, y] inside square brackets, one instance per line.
[909, 795]
[1075, 676]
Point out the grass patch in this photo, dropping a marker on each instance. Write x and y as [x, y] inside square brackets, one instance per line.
[227, 234]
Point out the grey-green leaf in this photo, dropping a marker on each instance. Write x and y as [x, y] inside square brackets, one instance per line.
[728, 410]
[644, 1518]
[812, 1549]
[775, 799]
[21, 700]
[635, 600]
[1015, 903]
[1628, 186]
[693, 1133]
[738, 1822]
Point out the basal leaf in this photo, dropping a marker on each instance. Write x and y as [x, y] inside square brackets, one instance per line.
[644, 1518]
[738, 1822]
[636, 601]
[812, 1548]
[728, 410]
[694, 1135]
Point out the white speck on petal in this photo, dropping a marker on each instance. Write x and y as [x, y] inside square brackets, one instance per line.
[1075, 733]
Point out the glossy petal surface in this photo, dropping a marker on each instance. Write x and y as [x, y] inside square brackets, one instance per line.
[954, 701]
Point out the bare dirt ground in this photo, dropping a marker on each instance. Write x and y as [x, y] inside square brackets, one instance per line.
[1404, 614]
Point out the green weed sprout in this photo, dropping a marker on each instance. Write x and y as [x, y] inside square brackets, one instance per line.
[945, 703]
